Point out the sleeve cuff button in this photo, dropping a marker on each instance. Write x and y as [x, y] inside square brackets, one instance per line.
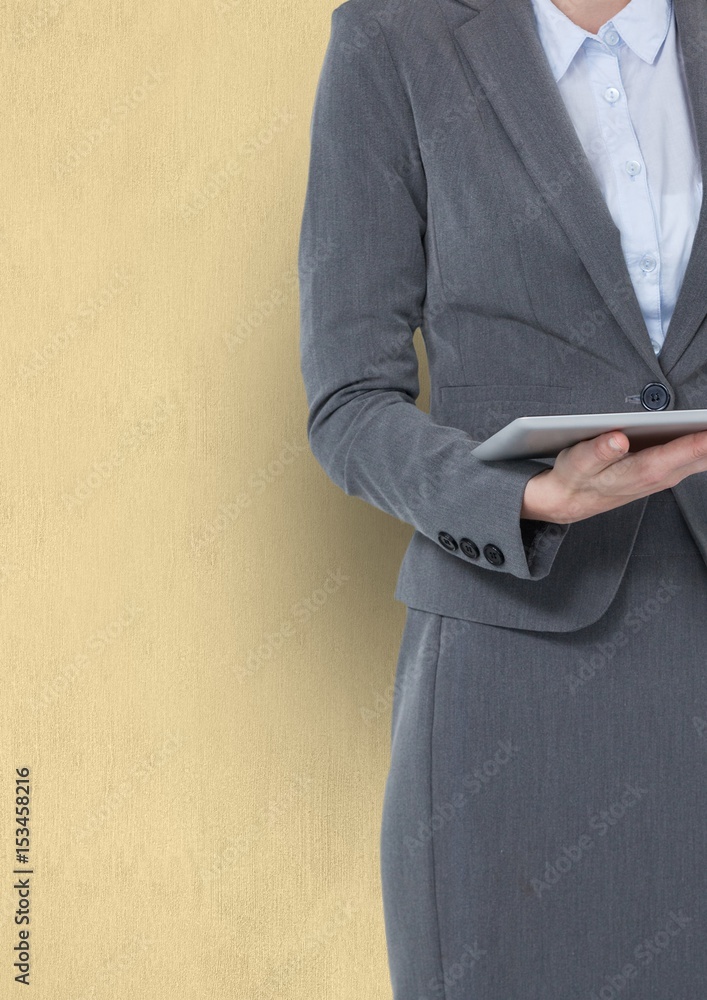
[494, 555]
[447, 541]
[468, 548]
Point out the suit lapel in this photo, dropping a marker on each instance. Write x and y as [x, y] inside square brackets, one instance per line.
[691, 306]
[502, 46]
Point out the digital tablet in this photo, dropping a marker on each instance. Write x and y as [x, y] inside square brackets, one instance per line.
[546, 436]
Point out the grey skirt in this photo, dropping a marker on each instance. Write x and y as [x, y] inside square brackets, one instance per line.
[544, 829]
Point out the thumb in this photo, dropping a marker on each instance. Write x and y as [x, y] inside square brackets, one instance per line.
[588, 458]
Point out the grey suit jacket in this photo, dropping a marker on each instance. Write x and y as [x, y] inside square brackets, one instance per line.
[448, 190]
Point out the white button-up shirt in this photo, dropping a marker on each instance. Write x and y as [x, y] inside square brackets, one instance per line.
[625, 92]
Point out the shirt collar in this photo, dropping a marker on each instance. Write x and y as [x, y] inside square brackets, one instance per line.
[642, 24]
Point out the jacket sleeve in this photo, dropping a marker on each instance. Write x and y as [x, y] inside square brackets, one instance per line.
[362, 283]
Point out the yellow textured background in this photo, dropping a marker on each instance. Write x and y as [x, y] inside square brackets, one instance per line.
[207, 726]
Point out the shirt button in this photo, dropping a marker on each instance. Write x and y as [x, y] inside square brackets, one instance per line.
[611, 37]
[648, 263]
[611, 94]
[656, 346]
[633, 167]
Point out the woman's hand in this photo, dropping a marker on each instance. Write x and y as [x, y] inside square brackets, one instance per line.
[591, 477]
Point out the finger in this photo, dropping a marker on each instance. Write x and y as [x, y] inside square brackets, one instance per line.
[673, 460]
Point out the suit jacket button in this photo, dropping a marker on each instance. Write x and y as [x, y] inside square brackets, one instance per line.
[446, 540]
[494, 555]
[468, 548]
[654, 396]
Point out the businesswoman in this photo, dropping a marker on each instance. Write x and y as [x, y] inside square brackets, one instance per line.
[522, 180]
